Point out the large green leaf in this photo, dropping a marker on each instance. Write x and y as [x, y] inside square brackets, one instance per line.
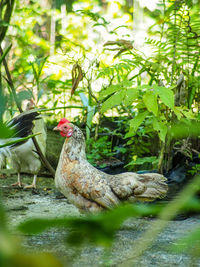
[131, 95]
[112, 101]
[141, 161]
[161, 128]
[178, 113]
[93, 228]
[135, 123]
[108, 91]
[9, 143]
[166, 95]
[150, 100]
[188, 114]
[126, 84]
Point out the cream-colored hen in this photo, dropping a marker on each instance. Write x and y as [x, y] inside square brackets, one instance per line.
[91, 189]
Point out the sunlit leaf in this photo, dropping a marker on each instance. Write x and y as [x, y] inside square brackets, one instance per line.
[135, 122]
[166, 95]
[112, 101]
[188, 114]
[131, 95]
[177, 111]
[141, 161]
[126, 84]
[109, 90]
[150, 100]
[161, 128]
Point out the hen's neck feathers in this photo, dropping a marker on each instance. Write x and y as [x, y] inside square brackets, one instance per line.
[75, 145]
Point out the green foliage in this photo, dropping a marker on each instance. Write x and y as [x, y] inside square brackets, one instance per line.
[150, 101]
[190, 243]
[6, 130]
[161, 128]
[98, 229]
[195, 169]
[184, 128]
[141, 161]
[136, 122]
[98, 150]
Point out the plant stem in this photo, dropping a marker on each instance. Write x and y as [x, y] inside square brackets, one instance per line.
[161, 157]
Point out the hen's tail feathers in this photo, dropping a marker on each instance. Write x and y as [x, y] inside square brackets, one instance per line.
[22, 126]
[155, 184]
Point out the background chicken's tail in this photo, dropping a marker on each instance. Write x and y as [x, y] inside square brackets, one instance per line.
[155, 184]
[22, 124]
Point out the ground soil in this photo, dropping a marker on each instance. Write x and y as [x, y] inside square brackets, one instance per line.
[46, 201]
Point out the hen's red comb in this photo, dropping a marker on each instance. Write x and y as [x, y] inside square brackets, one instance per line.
[62, 121]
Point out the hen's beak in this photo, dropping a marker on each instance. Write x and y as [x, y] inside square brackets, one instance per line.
[56, 128]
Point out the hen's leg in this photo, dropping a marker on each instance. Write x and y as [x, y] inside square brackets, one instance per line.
[19, 182]
[33, 185]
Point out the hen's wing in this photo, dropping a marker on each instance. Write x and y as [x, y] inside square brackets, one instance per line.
[145, 187]
[92, 185]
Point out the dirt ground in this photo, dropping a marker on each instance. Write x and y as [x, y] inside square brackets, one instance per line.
[47, 202]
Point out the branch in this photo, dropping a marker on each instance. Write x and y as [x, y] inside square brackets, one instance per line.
[6, 19]
[42, 157]
[91, 93]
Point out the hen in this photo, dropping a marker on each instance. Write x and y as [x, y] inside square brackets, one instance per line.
[23, 155]
[91, 189]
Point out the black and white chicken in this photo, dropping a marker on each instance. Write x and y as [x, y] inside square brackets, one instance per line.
[23, 155]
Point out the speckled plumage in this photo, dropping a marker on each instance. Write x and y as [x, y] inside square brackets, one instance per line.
[91, 189]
